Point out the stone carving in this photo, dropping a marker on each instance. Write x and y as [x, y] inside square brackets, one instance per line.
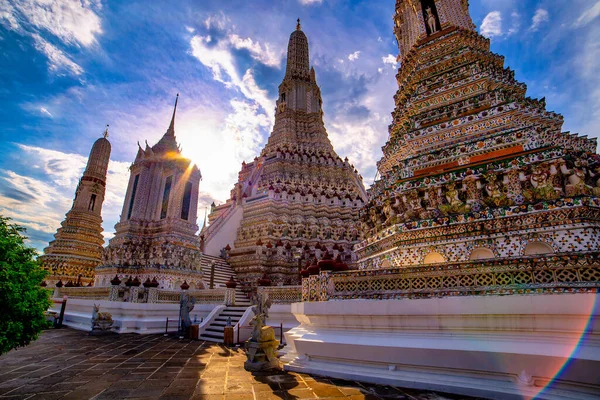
[575, 184]
[414, 207]
[431, 20]
[101, 321]
[455, 204]
[186, 305]
[261, 347]
[495, 196]
[541, 184]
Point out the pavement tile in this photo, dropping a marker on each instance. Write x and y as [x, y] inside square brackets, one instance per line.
[72, 365]
[305, 393]
[49, 395]
[325, 390]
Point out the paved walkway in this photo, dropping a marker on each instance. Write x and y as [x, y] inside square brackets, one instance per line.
[68, 364]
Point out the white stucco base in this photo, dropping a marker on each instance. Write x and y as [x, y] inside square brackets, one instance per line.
[496, 347]
[142, 318]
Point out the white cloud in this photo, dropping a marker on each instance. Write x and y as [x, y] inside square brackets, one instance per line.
[7, 16]
[57, 60]
[45, 112]
[515, 25]
[72, 21]
[390, 59]
[190, 29]
[354, 56]
[263, 53]
[588, 15]
[539, 18]
[217, 21]
[310, 2]
[219, 58]
[492, 25]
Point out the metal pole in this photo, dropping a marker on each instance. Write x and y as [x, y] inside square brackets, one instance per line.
[167, 327]
[212, 276]
[61, 316]
[281, 332]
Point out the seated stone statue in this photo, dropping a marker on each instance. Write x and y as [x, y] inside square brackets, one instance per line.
[575, 184]
[541, 185]
[455, 204]
[495, 196]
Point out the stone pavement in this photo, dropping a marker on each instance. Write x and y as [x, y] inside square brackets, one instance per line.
[69, 364]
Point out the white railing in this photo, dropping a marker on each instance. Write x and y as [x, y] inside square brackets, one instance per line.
[137, 294]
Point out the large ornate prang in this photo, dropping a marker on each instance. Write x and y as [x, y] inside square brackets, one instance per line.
[155, 237]
[77, 246]
[298, 198]
[261, 348]
[472, 166]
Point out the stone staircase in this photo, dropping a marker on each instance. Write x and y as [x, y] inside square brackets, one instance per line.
[214, 332]
[223, 271]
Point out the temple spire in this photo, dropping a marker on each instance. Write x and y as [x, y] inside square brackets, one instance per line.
[298, 64]
[106, 132]
[171, 130]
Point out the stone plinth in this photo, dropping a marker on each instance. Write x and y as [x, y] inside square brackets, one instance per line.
[495, 347]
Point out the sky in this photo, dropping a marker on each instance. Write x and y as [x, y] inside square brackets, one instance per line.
[69, 67]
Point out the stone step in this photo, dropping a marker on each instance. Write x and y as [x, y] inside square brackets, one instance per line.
[223, 324]
[211, 338]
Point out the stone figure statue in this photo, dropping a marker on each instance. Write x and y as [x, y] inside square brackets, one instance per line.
[541, 183]
[101, 321]
[495, 196]
[575, 185]
[186, 305]
[455, 204]
[431, 22]
[414, 207]
[261, 347]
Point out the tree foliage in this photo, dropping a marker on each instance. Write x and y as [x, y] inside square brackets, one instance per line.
[22, 300]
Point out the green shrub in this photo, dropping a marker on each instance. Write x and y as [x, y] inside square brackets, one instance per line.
[22, 300]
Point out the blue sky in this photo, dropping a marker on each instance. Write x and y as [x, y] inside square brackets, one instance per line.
[69, 67]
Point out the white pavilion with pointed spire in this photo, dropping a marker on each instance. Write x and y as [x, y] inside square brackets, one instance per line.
[156, 235]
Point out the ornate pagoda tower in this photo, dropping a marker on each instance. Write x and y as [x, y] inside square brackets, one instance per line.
[473, 169]
[155, 237]
[77, 248]
[295, 201]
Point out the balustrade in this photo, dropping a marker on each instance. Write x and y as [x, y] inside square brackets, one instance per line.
[136, 294]
[282, 294]
[523, 275]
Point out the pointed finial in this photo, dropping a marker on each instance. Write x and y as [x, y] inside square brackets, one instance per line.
[171, 129]
[106, 132]
[298, 27]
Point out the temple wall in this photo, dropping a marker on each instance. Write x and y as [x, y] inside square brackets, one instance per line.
[496, 347]
[141, 318]
[225, 235]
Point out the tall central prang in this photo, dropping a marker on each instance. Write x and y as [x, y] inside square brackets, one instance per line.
[298, 200]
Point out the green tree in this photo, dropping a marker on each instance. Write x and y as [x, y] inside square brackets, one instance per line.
[22, 299]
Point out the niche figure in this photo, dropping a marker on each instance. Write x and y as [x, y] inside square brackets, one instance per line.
[431, 21]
